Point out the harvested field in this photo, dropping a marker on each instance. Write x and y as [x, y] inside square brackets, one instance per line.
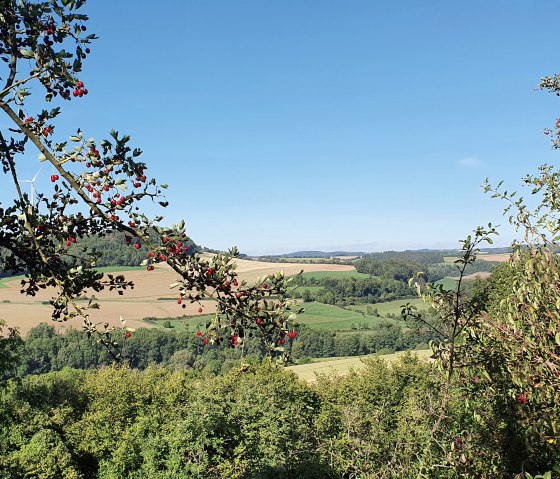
[143, 301]
[342, 366]
[500, 257]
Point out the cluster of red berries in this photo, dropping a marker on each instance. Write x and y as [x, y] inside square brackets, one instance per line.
[29, 119]
[80, 90]
[292, 334]
[118, 200]
[47, 131]
[55, 178]
[522, 399]
[70, 240]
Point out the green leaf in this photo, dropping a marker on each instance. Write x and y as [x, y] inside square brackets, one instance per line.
[25, 53]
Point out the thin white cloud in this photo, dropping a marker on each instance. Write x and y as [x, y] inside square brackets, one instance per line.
[470, 162]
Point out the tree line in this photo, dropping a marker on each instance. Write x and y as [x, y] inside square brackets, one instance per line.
[44, 350]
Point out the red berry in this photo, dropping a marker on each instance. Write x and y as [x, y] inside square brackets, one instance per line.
[150, 267]
[199, 333]
[54, 178]
[68, 243]
[29, 119]
[210, 271]
[205, 340]
[85, 90]
[259, 321]
[200, 310]
[179, 301]
[165, 239]
[163, 257]
[76, 92]
[522, 399]
[281, 341]
[265, 286]
[235, 283]
[292, 334]
[137, 246]
[128, 335]
[80, 84]
[137, 185]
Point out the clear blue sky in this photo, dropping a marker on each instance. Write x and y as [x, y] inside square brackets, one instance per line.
[322, 124]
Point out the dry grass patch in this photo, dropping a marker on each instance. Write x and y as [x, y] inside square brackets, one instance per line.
[342, 366]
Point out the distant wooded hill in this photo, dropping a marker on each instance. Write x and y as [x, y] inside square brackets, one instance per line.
[383, 254]
[113, 250]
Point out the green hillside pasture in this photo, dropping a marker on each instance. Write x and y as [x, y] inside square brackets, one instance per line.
[335, 274]
[390, 307]
[312, 289]
[317, 315]
[119, 269]
[448, 283]
[342, 366]
[184, 323]
[326, 316]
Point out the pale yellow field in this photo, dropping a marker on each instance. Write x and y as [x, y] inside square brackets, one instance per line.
[501, 257]
[26, 312]
[342, 366]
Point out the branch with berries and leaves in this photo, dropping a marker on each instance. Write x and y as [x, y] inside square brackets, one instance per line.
[99, 188]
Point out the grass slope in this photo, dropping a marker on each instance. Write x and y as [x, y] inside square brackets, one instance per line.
[335, 274]
[326, 316]
[342, 366]
[186, 323]
[390, 307]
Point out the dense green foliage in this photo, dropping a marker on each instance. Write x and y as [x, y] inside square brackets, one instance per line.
[402, 269]
[254, 422]
[43, 350]
[346, 291]
[110, 250]
[114, 251]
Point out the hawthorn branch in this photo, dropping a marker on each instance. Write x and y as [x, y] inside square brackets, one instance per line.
[6, 90]
[13, 47]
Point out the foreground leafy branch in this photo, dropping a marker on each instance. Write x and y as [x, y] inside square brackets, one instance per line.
[100, 187]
